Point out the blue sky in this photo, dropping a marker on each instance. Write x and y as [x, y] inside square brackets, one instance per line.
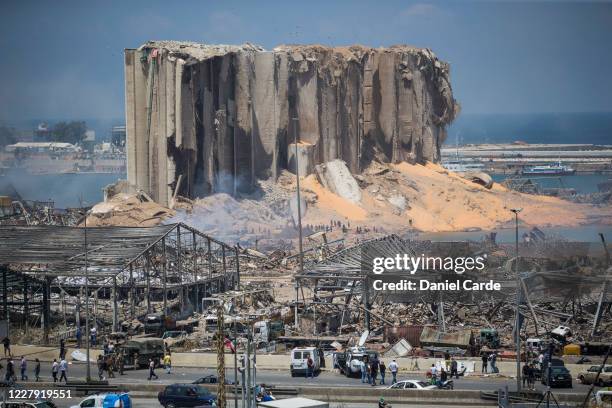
[64, 59]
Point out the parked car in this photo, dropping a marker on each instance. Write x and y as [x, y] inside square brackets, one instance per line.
[211, 379]
[106, 401]
[588, 376]
[412, 385]
[27, 404]
[185, 395]
[559, 377]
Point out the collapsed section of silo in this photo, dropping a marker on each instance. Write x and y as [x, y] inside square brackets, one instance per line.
[216, 118]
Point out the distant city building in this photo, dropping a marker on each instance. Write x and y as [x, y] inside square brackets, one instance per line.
[118, 136]
[42, 147]
[42, 131]
[90, 136]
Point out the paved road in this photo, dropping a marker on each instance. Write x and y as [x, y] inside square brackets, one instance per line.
[274, 377]
[147, 403]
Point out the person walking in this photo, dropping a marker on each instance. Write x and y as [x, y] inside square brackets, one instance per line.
[374, 369]
[121, 362]
[62, 352]
[63, 367]
[485, 359]
[362, 369]
[309, 367]
[531, 377]
[110, 367]
[7, 346]
[93, 335]
[525, 372]
[79, 336]
[434, 374]
[100, 365]
[393, 367]
[152, 370]
[167, 363]
[37, 370]
[382, 367]
[23, 365]
[494, 369]
[9, 376]
[453, 370]
[54, 370]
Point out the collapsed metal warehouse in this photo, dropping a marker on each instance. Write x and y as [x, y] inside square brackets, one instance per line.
[130, 266]
[561, 282]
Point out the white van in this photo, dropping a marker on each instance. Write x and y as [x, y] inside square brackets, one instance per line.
[299, 360]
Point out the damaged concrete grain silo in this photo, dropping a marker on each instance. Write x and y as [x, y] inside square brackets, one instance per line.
[216, 118]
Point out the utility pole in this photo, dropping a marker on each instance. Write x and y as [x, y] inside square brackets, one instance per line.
[87, 335]
[235, 365]
[249, 399]
[299, 216]
[516, 211]
[221, 401]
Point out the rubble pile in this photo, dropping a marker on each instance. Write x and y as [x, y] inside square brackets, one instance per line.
[128, 210]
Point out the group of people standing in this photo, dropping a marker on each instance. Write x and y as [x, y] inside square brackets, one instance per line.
[489, 362]
[370, 368]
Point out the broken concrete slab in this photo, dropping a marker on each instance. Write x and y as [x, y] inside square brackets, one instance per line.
[337, 178]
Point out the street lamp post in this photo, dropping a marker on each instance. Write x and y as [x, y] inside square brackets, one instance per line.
[299, 215]
[87, 303]
[516, 211]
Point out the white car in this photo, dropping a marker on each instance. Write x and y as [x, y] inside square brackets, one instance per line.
[105, 400]
[412, 385]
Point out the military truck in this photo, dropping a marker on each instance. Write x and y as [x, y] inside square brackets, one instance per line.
[137, 352]
[158, 323]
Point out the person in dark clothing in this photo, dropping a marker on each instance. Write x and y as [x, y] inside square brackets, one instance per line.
[62, 349]
[531, 377]
[37, 370]
[309, 368]
[7, 346]
[443, 375]
[374, 370]
[100, 365]
[79, 336]
[9, 376]
[382, 367]
[525, 372]
[485, 359]
[454, 366]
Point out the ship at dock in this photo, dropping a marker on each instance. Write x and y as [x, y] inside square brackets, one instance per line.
[557, 169]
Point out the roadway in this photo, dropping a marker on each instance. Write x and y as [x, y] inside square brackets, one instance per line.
[77, 371]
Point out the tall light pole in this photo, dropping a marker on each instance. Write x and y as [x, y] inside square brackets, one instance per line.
[299, 215]
[516, 211]
[87, 337]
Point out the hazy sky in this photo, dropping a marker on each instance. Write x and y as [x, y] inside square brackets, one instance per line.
[64, 59]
